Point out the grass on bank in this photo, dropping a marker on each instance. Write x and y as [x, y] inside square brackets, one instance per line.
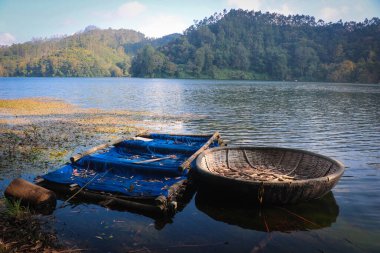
[39, 106]
[21, 231]
[14, 209]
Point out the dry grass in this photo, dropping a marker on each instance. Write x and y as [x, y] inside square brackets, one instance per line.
[35, 106]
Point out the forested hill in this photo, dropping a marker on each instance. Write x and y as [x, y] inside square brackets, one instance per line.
[230, 45]
[92, 52]
[265, 46]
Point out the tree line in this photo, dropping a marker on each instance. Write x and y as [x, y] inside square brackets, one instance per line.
[92, 52]
[237, 44]
[267, 46]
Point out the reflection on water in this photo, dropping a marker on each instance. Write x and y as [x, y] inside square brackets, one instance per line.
[159, 219]
[316, 214]
[338, 120]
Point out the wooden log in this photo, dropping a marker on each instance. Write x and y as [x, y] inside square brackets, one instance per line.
[30, 194]
[78, 156]
[187, 163]
[143, 206]
[160, 200]
[176, 188]
[130, 205]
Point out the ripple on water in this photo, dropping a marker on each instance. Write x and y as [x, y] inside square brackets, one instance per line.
[338, 120]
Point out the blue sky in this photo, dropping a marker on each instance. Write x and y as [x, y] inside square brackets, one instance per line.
[22, 20]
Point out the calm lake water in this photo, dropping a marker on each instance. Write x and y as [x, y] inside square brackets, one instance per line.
[338, 120]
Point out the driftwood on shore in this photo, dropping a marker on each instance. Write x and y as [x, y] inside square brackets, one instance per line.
[31, 195]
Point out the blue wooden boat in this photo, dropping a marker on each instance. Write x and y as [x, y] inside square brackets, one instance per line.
[147, 173]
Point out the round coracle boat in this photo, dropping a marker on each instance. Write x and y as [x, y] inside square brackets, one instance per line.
[267, 174]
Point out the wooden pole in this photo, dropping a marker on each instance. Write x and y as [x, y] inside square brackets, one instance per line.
[187, 163]
[78, 156]
[176, 188]
[128, 204]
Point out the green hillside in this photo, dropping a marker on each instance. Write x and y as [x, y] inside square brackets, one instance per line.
[231, 45]
[268, 46]
[94, 52]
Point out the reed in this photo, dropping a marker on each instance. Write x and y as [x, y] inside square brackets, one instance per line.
[14, 209]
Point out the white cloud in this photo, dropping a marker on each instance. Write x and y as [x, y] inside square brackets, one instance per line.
[130, 9]
[329, 13]
[69, 22]
[245, 4]
[7, 39]
[127, 10]
[333, 14]
[158, 26]
[261, 5]
[134, 15]
[284, 9]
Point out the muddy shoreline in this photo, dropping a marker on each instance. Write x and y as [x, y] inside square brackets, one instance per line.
[40, 134]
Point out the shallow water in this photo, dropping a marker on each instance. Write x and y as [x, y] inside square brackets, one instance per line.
[338, 120]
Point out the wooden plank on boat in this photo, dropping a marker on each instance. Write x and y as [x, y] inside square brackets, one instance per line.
[187, 163]
[78, 156]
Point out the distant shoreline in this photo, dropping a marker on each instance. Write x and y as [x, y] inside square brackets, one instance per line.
[161, 78]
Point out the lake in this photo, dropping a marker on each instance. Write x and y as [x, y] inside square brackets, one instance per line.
[338, 120]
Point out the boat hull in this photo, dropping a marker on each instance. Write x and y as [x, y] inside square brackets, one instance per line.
[293, 175]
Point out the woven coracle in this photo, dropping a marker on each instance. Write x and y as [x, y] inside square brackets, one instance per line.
[268, 174]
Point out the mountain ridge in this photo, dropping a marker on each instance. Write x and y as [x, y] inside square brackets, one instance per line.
[268, 46]
[238, 44]
[91, 52]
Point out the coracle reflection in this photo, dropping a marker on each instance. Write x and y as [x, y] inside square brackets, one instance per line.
[316, 214]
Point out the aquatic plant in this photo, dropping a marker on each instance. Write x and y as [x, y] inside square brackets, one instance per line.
[32, 135]
[12, 140]
[58, 154]
[14, 209]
